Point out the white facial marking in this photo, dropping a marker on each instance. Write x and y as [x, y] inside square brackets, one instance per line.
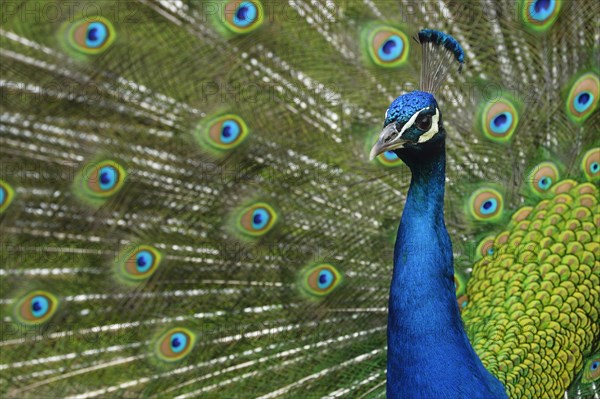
[386, 113]
[411, 121]
[434, 128]
[391, 129]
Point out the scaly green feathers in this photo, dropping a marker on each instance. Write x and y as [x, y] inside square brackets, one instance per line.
[539, 285]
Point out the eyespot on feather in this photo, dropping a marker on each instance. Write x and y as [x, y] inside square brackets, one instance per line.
[140, 263]
[590, 164]
[223, 132]
[462, 300]
[583, 97]
[591, 370]
[387, 46]
[175, 344]
[36, 307]
[499, 120]
[389, 159]
[485, 247]
[257, 219]
[460, 284]
[320, 280]
[539, 15]
[99, 180]
[91, 36]
[486, 204]
[542, 177]
[7, 195]
[243, 16]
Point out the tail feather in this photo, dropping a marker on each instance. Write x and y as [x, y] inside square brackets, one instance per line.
[243, 212]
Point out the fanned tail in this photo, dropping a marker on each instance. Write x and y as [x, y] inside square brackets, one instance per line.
[187, 208]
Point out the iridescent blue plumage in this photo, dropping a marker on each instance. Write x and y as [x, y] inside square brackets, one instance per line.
[440, 51]
[429, 353]
[425, 331]
[443, 39]
[405, 106]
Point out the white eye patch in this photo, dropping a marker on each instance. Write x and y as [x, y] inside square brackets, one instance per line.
[411, 121]
[434, 128]
[425, 136]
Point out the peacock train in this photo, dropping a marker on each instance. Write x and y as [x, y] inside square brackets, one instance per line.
[300, 199]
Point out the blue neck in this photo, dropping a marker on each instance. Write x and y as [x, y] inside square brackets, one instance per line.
[429, 354]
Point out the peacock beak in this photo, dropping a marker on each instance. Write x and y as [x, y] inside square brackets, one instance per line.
[389, 139]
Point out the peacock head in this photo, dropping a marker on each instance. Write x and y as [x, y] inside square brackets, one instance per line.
[412, 123]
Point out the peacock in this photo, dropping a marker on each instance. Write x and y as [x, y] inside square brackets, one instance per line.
[197, 199]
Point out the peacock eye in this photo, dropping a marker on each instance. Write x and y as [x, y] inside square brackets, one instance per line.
[387, 46]
[423, 122]
[36, 307]
[91, 37]
[540, 14]
[320, 280]
[591, 164]
[6, 195]
[486, 247]
[140, 263]
[591, 371]
[227, 132]
[175, 344]
[499, 120]
[583, 97]
[243, 17]
[389, 158]
[486, 204]
[543, 176]
[103, 179]
[257, 219]
[223, 133]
